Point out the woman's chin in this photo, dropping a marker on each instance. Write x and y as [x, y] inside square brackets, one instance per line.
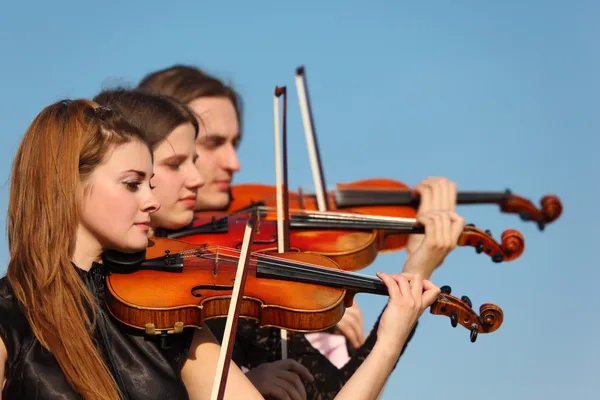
[181, 221]
[133, 246]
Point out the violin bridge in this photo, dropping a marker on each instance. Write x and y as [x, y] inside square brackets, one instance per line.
[216, 264]
[301, 197]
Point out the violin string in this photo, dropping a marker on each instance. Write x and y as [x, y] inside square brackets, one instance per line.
[359, 193]
[395, 223]
[219, 251]
[401, 194]
[279, 262]
[351, 221]
[347, 279]
[489, 242]
[342, 215]
[350, 279]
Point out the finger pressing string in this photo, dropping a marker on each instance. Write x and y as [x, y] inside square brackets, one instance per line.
[404, 285]
[425, 195]
[438, 230]
[430, 295]
[439, 195]
[446, 231]
[416, 286]
[458, 225]
[392, 286]
[452, 194]
[428, 285]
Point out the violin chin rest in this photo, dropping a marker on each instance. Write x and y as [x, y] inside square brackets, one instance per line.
[119, 261]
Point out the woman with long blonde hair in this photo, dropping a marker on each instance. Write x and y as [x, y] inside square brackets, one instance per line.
[81, 185]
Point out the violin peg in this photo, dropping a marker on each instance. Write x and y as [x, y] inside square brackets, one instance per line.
[479, 247]
[525, 216]
[474, 329]
[467, 300]
[454, 319]
[488, 232]
[498, 257]
[446, 289]
[473, 225]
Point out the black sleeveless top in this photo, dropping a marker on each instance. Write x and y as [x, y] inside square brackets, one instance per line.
[141, 367]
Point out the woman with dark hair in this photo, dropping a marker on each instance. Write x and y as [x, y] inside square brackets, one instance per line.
[219, 107]
[171, 130]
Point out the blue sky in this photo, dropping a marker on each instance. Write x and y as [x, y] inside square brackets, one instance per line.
[493, 95]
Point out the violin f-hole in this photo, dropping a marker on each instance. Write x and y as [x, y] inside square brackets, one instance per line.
[198, 288]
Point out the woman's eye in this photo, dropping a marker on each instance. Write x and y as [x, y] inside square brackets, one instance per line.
[133, 186]
[174, 165]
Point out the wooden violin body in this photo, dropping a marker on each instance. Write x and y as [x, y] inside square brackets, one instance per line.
[349, 249]
[180, 285]
[201, 291]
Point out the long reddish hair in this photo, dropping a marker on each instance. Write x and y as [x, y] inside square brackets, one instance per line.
[63, 145]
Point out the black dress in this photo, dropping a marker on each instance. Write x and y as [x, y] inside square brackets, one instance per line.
[141, 368]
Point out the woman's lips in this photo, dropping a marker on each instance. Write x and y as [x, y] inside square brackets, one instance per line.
[145, 226]
[189, 202]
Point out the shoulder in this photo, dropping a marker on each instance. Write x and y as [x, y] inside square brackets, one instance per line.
[8, 300]
[14, 327]
[5, 288]
[9, 305]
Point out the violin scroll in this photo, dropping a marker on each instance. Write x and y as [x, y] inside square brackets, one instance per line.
[511, 248]
[550, 211]
[461, 311]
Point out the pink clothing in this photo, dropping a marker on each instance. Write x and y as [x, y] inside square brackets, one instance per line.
[331, 346]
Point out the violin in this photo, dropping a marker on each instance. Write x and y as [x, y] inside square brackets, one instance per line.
[173, 285]
[350, 240]
[375, 197]
[387, 197]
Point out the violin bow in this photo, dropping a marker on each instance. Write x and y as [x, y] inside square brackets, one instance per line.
[220, 381]
[311, 140]
[281, 185]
